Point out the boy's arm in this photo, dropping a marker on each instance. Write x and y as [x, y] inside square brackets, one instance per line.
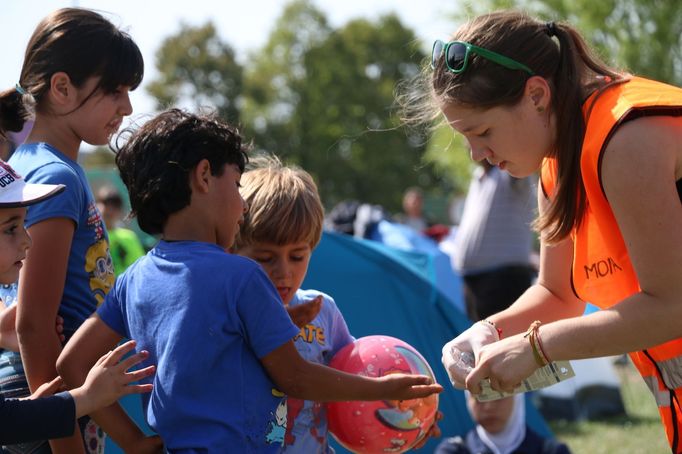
[93, 339]
[301, 379]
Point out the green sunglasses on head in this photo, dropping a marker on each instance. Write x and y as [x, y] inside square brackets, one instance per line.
[457, 56]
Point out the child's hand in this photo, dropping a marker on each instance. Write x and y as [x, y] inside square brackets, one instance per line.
[108, 380]
[408, 386]
[48, 389]
[434, 431]
[8, 331]
[304, 313]
[59, 327]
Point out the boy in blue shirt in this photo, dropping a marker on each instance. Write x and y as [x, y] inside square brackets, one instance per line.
[211, 321]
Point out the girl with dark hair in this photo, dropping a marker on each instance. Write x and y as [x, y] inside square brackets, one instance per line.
[77, 72]
[530, 96]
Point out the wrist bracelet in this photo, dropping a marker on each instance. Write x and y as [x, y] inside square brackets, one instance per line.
[492, 323]
[533, 335]
[540, 347]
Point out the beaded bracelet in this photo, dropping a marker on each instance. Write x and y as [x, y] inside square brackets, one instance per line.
[492, 323]
[533, 335]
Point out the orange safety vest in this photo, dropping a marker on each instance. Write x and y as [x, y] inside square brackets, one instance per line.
[602, 272]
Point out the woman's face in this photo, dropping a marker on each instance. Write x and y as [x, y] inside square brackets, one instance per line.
[515, 139]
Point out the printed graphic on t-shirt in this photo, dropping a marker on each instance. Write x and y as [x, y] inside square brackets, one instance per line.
[294, 409]
[278, 426]
[98, 263]
[311, 334]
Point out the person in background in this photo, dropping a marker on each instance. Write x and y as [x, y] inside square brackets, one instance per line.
[500, 428]
[494, 241]
[413, 215]
[124, 245]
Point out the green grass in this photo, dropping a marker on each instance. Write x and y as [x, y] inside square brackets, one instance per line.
[640, 431]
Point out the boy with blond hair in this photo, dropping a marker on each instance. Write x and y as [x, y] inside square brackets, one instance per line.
[280, 231]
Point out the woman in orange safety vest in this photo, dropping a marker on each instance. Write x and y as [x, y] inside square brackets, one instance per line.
[530, 96]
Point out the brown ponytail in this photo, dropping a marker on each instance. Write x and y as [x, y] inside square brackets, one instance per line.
[13, 113]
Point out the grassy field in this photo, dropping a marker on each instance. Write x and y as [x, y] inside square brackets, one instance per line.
[640, 432]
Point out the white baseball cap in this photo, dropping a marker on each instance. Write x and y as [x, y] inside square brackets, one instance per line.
[15, 192]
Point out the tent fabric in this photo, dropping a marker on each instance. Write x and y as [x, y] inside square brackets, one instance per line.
[431, 259]
[381, 290]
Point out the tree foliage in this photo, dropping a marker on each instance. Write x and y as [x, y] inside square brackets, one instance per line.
[322, 97]
[641, 36]
[344, 120]
[314, 95]
[198, 68]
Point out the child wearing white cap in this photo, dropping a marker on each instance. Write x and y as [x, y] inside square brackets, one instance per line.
[42, 415]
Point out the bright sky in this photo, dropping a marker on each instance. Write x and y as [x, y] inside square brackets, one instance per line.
[244, 24]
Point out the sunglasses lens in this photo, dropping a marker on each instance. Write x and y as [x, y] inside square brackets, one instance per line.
[456, 56]
[436, 52]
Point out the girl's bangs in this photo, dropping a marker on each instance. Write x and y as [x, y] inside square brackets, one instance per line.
[123, 67]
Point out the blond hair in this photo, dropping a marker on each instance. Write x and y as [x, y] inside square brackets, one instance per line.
[284, 205]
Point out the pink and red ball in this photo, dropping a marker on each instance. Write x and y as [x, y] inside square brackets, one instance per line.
[381, 426]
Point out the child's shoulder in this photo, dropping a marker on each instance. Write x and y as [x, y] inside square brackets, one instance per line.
[41, 163]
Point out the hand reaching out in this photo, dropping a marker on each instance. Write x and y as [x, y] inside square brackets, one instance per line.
[109, 379]
[304, 313]
[48, 389]
[459, 354]
[505, 363]
[59, 327]
[408, 386]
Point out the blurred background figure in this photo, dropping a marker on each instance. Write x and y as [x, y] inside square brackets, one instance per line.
[124, 245]
[500, 429]
[493, 246]
[413, 215]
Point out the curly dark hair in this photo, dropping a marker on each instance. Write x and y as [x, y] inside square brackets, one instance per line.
[156, 160]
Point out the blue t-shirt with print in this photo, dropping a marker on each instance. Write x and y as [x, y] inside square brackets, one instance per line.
[90, 273]
[317, 342]
[206, 317]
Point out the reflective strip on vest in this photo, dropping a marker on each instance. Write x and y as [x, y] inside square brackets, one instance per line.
[662, 396]
[671, 370]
